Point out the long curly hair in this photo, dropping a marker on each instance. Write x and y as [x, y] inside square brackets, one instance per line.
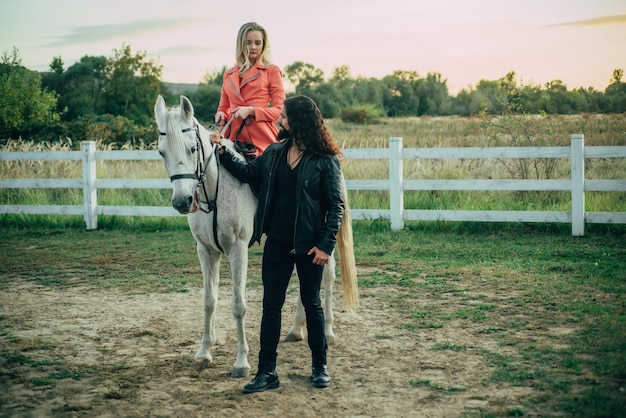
[307, 127]
[241, 53]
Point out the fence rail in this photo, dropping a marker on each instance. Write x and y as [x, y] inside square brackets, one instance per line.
[577, 185]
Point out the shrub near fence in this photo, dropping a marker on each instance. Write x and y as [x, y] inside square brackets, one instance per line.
[395, 185]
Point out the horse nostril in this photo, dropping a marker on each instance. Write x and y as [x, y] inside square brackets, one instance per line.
[182, 204]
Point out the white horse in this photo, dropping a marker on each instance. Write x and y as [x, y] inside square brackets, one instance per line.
[220, 212]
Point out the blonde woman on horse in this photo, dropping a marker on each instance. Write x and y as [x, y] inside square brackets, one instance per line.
[252, 92]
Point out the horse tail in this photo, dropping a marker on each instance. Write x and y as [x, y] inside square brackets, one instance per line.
[347, 264]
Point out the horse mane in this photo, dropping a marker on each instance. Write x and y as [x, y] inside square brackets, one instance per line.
[174, 130]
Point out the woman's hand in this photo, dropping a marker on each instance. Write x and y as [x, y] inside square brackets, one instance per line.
[220, 118]
[243, 112]
[320, 257]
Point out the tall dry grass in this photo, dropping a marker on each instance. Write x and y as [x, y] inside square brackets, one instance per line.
[453, 131]
[415, 132]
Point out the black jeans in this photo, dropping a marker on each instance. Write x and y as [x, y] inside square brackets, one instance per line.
[277, 268]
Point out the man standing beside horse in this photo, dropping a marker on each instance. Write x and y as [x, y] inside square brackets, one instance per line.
[300, 208]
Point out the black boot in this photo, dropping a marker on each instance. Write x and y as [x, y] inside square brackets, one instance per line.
[262, 381]
[320, 377]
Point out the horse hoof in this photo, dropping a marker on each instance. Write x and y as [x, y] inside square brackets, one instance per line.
[243, 372]
[291, 337]
[200, 365]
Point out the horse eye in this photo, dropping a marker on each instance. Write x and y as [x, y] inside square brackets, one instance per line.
[193, 149]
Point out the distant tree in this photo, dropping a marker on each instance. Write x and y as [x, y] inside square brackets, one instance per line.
[617, 76]
[80, 87]
[327, 98]
[11, 58]
[616, 93]
[497, 97]
[577, 101]
[53, 80]
[594, 100]
[304, 76]
[57, 65]
[433, 96]
[531, 98]
[25, 108]
[343, 87]
[207, 97]
[368, 90]
[489, 96]
[508, 84]
[132, 84]
[406, 76]
[556, 93]
[342, 78]
[400, 97]
[214, 78]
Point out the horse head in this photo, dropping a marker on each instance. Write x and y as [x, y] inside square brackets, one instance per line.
[187, 153]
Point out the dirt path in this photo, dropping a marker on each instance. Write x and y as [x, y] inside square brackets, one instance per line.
[130, 355]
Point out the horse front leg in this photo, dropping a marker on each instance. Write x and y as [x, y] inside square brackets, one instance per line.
[210, 264]
[238, 257]
[299, 322]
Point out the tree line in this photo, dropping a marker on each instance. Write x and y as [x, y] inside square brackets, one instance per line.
[112, 98]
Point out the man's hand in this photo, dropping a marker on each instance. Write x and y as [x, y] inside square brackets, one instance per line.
[320, 257]
[216, 137]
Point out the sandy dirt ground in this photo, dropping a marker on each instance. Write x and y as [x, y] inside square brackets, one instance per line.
[130, 355]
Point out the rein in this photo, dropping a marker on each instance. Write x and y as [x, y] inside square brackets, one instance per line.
[200, 173]
[200, 176]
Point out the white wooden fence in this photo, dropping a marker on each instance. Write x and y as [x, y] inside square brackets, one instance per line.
[577, 185]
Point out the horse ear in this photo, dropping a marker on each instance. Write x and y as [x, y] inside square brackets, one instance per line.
[160, 110]
[186, 108]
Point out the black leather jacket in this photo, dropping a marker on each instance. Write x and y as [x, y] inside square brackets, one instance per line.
[319, 200]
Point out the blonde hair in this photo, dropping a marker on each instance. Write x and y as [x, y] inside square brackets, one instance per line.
[241, 54]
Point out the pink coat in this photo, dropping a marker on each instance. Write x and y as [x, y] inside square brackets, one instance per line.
[261, 87]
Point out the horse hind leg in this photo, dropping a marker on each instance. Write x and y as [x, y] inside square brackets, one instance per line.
[329, 316]
[296, 333]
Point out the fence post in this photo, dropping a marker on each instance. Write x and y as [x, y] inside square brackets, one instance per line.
[90, 196]
[396, 192]
[578, 184]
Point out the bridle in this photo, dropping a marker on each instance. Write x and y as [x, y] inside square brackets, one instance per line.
[200, 173]
[200, 176]
[201, 168]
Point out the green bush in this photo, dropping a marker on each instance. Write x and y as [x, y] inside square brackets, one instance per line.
[361, 114]
[107, 129]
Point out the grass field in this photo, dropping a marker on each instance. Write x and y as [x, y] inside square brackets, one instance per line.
[542, 312]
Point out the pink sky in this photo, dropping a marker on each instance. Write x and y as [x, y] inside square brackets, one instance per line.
[579, 42]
